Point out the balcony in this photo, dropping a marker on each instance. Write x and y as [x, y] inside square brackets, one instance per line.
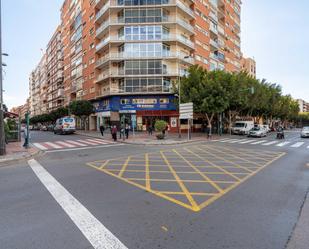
[128, 56]
[221, 30]
[213, 28]
[214, 44]
[213, 16]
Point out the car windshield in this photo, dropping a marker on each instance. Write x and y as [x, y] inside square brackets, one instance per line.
[68, 120]
[239, 124]
[256, 129]
[306, 128]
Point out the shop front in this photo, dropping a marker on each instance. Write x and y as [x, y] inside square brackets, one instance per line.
[139, 111]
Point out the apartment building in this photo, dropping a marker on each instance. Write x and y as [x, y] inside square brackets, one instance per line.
[54, 67]
[22, 109]
[38, 88]
[249, 65]
[303, 105]
[126, 55]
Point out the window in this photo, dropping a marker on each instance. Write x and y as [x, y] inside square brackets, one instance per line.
[91, 31]
[164, 101]
[143, 33]
[124, 101]
[91, 46]
[143, 67]
[144, 85]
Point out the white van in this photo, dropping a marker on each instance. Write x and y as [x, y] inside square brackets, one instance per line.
[242, 127]
[65, 125]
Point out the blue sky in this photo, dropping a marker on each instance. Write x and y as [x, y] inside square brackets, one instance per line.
[274, 32]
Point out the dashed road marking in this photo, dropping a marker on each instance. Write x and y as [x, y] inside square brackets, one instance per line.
[259, 142]
[40, 146]
[53, 145]
[270, 143]
[297, 144]
[282, 144]
[66, 144]
[95, 232]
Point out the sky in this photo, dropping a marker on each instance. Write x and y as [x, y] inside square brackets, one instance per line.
[274, 32]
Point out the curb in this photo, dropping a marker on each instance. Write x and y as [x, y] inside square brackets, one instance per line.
[150, 143]
[9, 161]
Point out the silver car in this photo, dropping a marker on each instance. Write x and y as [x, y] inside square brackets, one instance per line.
[257, 132]
[305, 132]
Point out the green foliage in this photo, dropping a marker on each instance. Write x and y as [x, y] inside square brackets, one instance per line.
[160, 125]
[81, 108]
[219, 91]
[49, 117]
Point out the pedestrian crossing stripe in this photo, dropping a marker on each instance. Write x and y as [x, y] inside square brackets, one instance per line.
[297, 144]
[70, 144]
[261, 142]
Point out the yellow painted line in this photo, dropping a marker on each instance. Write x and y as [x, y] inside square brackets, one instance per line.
[174, 180]
[149, 190]
[236, 164]
[182, 172]
[104, 164]
[147, 175]
[201, 173]
[211, 200]
[182, 186]
[218, 167]
[125, 165]
[182, 193]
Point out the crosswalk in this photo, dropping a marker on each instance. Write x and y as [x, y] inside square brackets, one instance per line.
[71, 144]
[277, 143]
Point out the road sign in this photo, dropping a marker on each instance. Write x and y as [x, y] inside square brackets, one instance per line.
[186, 111]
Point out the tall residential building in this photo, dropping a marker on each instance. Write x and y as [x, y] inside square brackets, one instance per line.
[126, 55]
[38, 88]
[303, 105]
[55, 88]
[78, 37]
[249, 65]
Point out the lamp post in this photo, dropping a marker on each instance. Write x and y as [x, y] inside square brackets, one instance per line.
[2, 134]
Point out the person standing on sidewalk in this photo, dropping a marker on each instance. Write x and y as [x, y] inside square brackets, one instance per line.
[150, 130]
[114, 133]
[126, 130]
[102, 129]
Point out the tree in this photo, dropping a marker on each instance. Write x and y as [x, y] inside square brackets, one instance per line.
[206, 91]
[81, 109]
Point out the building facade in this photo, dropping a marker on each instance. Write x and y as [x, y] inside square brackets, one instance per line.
[303, 105]
[38, 88]
[126, 55]
[249, 65]
[54, 67]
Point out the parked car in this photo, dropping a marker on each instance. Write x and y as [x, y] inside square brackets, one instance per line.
[50, 128]
[305, 132]
[65, 125]
[43, 128]
[242, 127]
[266, 127]
[257, 132]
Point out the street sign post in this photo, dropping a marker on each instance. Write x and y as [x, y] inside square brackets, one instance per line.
[186, 112]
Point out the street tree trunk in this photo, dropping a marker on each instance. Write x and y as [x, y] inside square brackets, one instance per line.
[209, 120]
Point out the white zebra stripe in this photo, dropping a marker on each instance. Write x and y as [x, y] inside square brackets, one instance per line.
[66, 144]
[259, 142]
[87, 142]
[40, 146]
[97, 141]
[55, 146]
[297, 144]
[270, 143]
[75, 143]
[282, 144]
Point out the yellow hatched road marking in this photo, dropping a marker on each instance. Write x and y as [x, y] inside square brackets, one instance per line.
[218, 167]
[147, 171]
[182, 186]
[173, 180]
[104, 164]
[201, 173]
[236, 164]
[125, 165]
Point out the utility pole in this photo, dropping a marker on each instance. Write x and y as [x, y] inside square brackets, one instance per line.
[2, 134]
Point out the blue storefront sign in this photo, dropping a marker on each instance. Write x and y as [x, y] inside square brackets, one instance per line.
[136, 103]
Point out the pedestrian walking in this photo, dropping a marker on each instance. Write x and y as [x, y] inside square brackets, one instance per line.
[26, 136]
[126, 130]
[121, 133]
[102, 129]
[149, 130]
[114, 133]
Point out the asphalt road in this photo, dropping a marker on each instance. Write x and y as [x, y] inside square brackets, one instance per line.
[257, 209]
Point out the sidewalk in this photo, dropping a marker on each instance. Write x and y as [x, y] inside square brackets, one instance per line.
[142, 138]
[15, 151]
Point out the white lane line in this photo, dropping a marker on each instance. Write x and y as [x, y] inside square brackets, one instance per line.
[245, 141]
[259, 142]
[75, 143]
[55, 146]
[86, 148]
[95, 232]
[40, 146]
[66, 144]
[96, 141]
[297, 144]
[270, 143]
[87, 142]
[282, 144]
[236, 141]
